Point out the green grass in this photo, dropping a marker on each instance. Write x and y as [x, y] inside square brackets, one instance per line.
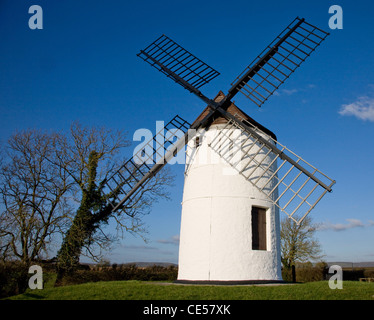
[144, 290]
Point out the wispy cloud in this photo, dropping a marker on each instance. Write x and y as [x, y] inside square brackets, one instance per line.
[362, 109]
[287, 92]
[172, 240]
[290, 92]
[351, 223]
[135, 247]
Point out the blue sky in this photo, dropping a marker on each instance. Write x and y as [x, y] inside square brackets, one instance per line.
[83, 67]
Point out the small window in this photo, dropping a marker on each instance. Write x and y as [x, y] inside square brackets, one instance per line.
[258, 228]
[197, 142]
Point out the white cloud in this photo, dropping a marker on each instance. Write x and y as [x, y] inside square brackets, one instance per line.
[289, 92]
[352, 223]
[172, 240]
[362, 109]
[136, 247]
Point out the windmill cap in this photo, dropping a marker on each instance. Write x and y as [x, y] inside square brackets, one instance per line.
[235, 111]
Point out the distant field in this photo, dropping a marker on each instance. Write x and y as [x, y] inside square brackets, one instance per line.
[147, 290]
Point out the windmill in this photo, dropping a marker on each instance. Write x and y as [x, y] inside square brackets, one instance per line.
[230, 228]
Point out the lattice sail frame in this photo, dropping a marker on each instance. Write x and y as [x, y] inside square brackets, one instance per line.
[124, 185]
[278, 61]
[295, 192]
[258, 82]
[178, 64]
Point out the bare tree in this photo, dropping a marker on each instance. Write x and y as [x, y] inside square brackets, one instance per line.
[53, 183]
[34, 196]
[89, 156]
[298, 243]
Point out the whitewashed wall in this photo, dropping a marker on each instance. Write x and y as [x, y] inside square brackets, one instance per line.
[216, 236]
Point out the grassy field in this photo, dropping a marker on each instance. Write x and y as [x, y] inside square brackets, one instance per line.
[147, 290]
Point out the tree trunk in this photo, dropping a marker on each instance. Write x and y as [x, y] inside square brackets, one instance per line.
[293, 268]
[83, 226]
[71, 248]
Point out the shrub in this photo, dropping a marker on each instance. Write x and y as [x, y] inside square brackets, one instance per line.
[353, 275]
[306, 272]
[369, 273]
[13, 278]
[122, 272]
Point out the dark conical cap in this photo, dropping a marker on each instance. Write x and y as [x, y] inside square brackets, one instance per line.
[234, 110]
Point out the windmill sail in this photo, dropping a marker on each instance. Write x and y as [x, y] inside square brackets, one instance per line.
[277, 61]
[178, 64]
[295, 186]
[124, 185]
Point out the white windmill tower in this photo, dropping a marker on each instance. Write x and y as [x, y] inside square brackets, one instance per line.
[229, 229]
[238, 176]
